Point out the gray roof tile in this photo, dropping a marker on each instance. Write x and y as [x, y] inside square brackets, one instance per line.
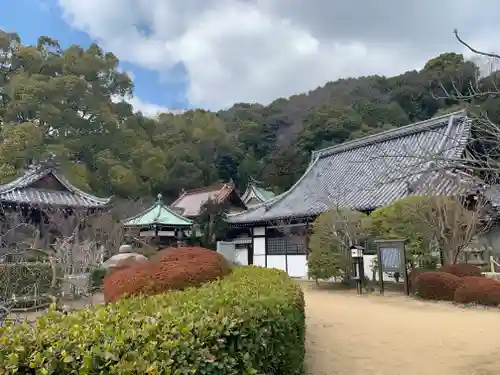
[374, 171]
[20, 191]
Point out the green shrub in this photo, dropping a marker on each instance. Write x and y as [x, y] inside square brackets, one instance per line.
[26, 279]
[436, 285]
[251, 322]
[96, 278]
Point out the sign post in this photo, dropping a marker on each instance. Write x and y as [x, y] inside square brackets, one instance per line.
[359, 270]
[391, 257]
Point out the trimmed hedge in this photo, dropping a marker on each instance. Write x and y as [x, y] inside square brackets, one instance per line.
[24, 279]
[171, 269]
[436, 285]
[251, 322]
[480, 290]
[461, 269]
[412, 276]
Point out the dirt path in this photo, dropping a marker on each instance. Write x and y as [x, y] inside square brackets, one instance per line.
[393, 335]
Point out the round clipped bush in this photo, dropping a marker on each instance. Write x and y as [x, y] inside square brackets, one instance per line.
[412, 276]
[480, 290]
[461, 269]
[170, 269]
[436, 285]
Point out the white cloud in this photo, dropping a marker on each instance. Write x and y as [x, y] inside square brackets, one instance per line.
[259, 50]
[147, 109]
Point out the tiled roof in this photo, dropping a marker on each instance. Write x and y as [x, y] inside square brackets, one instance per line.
[160, 214]
[374, 171]
[255, 191]
[20, 191]
[190, 202]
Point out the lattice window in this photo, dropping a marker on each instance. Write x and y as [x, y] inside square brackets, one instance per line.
[287, 245]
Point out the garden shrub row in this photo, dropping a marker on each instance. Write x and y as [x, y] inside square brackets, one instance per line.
[478, 290]
[461, 269]
[461, 283]
[251, 322]
[26, 279]
[170, 269]
[436, 285]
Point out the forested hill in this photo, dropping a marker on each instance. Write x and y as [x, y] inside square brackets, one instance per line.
[60, 101]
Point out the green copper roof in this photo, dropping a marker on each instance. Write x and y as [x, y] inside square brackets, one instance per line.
[159, 214]
[264, 194]
[256, 192]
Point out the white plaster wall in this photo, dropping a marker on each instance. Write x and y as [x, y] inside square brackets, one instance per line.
[297, 265]
[276, 261]
[259, 260]
[259, 246]
[259, 231]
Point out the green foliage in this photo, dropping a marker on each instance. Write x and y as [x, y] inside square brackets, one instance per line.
[27, 279]
[62, 100]
[400, 220]
[333, 233]
[212, 224]
[252, 322]
[96, 278]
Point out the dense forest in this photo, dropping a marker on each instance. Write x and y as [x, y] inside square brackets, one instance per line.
[63, 102]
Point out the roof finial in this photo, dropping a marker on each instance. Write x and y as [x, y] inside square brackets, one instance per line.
[159, 198]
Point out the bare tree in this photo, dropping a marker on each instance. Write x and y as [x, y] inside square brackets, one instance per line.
[450, 223]
[69, 242]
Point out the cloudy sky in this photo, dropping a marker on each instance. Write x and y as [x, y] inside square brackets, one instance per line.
[213, 53]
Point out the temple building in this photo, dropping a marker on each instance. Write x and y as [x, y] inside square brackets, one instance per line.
[362, 174]
[159, 225]
[255, 194]
[41, 196]
[190, 202]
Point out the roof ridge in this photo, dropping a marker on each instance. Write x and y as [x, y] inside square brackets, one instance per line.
[42, 171]
[406, 130]
[141, 213]
[278, 198]
[160, 205]
[213, 187]
[68, 185]
[177, 215]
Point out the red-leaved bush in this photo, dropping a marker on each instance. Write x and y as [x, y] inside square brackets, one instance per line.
[461, 269]
[412, 276]
[170, 269]
[480, 290]
[436, 285]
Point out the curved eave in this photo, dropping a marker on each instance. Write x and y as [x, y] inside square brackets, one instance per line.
[134, 220]
[157, 223]
[268, 204]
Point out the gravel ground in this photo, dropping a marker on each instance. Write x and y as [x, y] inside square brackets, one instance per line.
[395, 335]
